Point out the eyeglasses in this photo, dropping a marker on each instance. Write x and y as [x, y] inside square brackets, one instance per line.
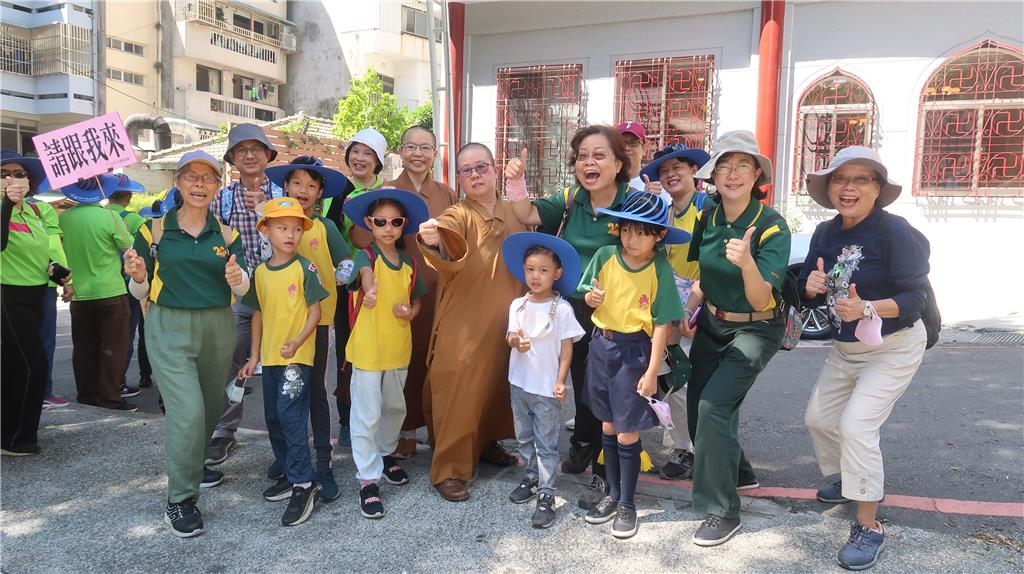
[192, 177]
[254, 151]
[480, 169]
[413, 148]
[842, 180]
[18, 174]
[384, 221]
[634, 143]
[740, 168]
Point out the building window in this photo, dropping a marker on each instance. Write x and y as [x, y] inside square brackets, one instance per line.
[671, 97]
[17, 135]
[835, 112]
[388, 82]
[128, 47]
[415, 22]
[15, 49]
[970, 134]
[241, 87]
[128, 77]
[264, 115]
[539, 107]
[207, 79]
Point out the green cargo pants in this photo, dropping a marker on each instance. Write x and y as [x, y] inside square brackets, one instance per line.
[190, 350]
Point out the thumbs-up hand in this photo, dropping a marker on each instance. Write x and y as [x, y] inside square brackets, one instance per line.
[651, 186]
[134, 266]
[232, 272]
[817, 281]
[595, 297]
[852, 307]
[516, 167]
[370, 295]
[737, 251]
[428, 232]
[522, 342]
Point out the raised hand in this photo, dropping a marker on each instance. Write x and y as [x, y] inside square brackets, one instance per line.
[516, 167]
[429, 234]
[737, 251]
[851, 308]
[522, 342]
[595, 297]
[370, 295]
[232, 272]
[817, 281]
[651, 186]
[134, 266]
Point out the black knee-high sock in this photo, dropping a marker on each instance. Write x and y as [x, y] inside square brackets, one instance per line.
[629, 466]
[611, 463]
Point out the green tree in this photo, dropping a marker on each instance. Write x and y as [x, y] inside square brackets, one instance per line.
[367, 105]
[423, 116]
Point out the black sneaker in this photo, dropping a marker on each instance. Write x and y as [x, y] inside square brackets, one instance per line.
[394, 473]
[126, 407]
[370, 505]
[219, 448]
[747, 483]
[300, 506]
[23, 449]
[679, 467]
[211, 478]
[579, 459]
[626, 523]
[603, 512]
[184, 518]
[281, 490]
[145, 381]
[525, 492]
[716, 530]
[544, 515]
[595, 491]
[128, 391]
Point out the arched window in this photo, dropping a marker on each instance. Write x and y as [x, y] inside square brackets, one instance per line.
[970, 135]
[835, 112]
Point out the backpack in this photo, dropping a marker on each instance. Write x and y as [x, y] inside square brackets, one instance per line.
[157, 233]
[227, 200]
[355, 300]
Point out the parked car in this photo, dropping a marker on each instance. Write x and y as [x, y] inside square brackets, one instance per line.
[816, 323]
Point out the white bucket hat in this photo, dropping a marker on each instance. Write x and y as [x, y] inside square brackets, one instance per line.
[739, 141]
[817, 182]
[372, 139]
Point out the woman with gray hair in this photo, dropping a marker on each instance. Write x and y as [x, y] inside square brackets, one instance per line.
[871, 268]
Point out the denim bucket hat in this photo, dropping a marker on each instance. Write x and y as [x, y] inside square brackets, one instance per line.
[515, 246]
[243, 132]
[335, 182]
[817, 182]
[649, 208]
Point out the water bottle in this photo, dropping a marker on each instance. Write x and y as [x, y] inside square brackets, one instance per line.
[235, 391]
[343, 273]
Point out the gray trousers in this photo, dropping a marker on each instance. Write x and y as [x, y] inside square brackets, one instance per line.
[232, 415]
[537, 422]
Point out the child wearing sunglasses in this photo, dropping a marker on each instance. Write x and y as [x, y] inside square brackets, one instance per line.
[541, 331]
[384, 289]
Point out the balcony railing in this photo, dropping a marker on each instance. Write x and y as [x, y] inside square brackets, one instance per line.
[212, 14]
[54, 49]
[240, 109]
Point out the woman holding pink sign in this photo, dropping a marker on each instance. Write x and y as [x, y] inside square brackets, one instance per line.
[872, 269]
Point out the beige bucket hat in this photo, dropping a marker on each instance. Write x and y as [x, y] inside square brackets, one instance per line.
[739, 141]
[817, 182]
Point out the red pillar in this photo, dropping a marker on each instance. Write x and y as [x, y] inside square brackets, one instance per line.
[456, 36]
[773, 14]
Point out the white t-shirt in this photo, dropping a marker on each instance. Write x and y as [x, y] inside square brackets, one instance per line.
[536, 370]
[637, 184]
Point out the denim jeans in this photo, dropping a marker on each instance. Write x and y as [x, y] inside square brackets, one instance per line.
[537, 421]
[286, 407]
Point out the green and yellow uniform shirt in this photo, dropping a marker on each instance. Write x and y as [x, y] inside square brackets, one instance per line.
[25, 260]
[94, 239]
[720, 280]
[379, 340]
[634, 299]
[323, 245]
[586, 231]
[188, 272]
[678, 255]
[282, 294]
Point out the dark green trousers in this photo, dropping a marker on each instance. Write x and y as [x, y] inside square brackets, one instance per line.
[726, 358]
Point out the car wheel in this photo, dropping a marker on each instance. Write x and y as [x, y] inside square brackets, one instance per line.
[817, 326]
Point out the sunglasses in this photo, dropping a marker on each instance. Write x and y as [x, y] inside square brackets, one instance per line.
[384, 221]
[18, 174]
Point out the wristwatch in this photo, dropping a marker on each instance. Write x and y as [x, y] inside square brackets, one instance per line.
[869, 309]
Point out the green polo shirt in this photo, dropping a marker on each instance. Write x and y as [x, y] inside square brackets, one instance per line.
[189, 271]
[56, 234]
[94, 238]
[586, 231]
[25, 259]
[131, 219]
[720, 280]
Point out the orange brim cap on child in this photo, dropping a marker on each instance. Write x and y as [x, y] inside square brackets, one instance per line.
[283, 207]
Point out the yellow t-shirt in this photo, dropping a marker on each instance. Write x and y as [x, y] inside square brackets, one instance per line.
[323, 245]
[379, 340]
[634, 299]
[687, 221]
[283, 295]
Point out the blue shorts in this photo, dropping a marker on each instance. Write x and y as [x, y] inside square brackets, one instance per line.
[614, 367]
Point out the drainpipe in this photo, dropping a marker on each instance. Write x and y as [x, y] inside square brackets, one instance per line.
[769, 70]
[434, 88]
[456, 43]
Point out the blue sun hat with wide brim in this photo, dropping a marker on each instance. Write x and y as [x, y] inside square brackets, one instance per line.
[649, 208]
[335, 182]
[32, 165]
[415, 208]
[88, 191]
[515, 246]
[675, 151]
[161, 206]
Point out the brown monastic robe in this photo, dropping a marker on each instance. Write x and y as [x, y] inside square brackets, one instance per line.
[438, 198]
[469, 405]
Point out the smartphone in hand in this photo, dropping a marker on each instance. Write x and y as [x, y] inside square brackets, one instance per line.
[59, 274]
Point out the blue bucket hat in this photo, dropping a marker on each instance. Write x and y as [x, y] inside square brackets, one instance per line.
[674, 151]
[243, 132]
[88, 191]
[515, 246]
[161, 206]
[32, 165]
[355, 208]
[649, 208]
[197, 156]
[335, 182]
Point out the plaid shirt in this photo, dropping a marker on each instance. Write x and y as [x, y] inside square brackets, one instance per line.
[243, 220]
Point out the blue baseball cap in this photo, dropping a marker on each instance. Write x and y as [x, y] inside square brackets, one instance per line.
[515, 246]
[649, 208]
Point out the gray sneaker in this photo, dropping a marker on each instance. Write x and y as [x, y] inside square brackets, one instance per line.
[716, 530]
[596, 490]
[525, 492]
[544, 515]
[603, 512]
[626, 523]
[678, 467]
[219, 448]
[862, 549]
[832, 493]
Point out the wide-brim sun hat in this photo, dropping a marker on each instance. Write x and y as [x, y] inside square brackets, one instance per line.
[32, 165]
[89, 190]
[198, 156]
[649, 208]
[817, 182]
[245, 132]
[515, 246]
[739, 141]
[283, 207]
[688, 154]
[356, 208]
[335, 182]
[372, 139]
[160, 207]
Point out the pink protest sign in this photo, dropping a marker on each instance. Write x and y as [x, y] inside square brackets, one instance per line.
[85, 149]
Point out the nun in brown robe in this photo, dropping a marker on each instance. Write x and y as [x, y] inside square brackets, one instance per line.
[468, 358]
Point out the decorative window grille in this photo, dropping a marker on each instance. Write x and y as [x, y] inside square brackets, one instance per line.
[671, 97]
[539, 107]
[970, 135]
[835, 112]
